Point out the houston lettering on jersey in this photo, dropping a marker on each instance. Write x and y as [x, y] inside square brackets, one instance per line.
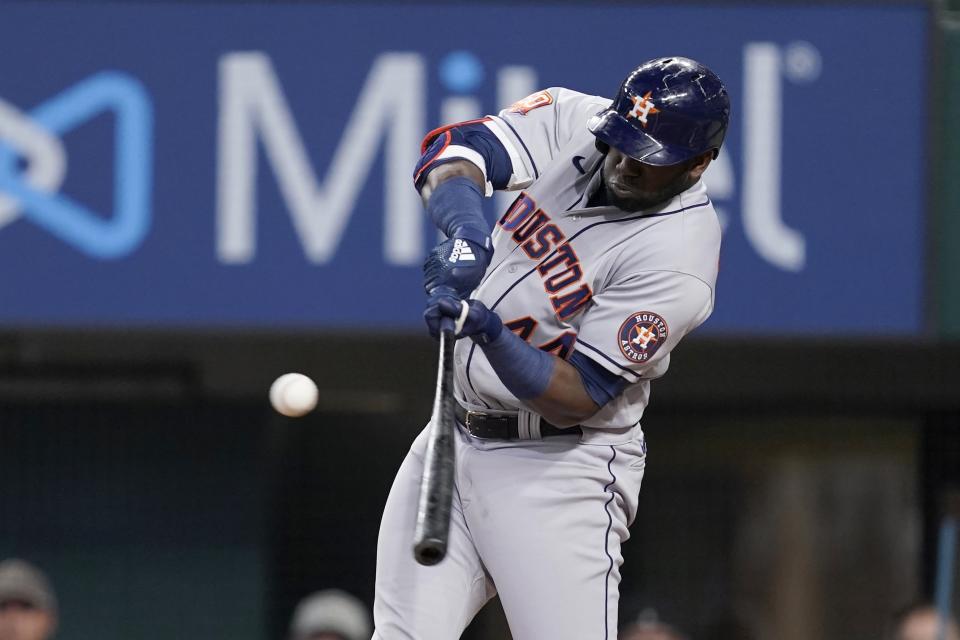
[541, 239]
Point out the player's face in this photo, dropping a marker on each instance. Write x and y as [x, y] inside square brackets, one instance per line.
[633, 185]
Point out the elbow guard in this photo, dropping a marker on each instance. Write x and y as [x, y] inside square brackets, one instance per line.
[471, 141]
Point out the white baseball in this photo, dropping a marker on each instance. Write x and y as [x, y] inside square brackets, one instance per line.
[293, 395]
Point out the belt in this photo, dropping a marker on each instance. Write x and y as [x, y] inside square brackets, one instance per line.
[504, 427]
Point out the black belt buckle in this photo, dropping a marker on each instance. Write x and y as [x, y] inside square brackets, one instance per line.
[484, 425]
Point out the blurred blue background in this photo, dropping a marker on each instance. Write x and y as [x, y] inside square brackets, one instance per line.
[248, 166]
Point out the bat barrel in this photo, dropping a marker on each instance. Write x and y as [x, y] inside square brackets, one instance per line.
[436, 486]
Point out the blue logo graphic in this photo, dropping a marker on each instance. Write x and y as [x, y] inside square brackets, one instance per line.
[461, 72]
[67, 219]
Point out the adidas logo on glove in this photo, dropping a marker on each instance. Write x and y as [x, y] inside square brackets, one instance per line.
[461, 252]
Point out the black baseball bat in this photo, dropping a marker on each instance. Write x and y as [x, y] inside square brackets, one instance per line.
[436, 486]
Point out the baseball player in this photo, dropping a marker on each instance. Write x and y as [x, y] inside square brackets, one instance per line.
[568, 308]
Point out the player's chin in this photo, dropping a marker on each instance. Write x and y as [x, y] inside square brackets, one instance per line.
[631, 201]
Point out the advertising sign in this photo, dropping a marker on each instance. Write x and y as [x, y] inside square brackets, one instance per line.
[178, 165]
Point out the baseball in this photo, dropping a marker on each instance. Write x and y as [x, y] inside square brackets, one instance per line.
[293, 395]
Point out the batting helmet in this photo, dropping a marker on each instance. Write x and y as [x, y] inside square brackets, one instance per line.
[667, 110]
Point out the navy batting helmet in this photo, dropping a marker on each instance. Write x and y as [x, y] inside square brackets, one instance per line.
[667, 110]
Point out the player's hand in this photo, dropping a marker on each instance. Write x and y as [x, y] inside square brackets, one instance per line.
[472, 317]
[458, 263]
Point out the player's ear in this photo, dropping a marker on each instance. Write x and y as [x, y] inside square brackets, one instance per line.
[699, 164]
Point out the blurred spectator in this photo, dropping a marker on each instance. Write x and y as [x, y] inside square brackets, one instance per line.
[920, 621]
[28, 606]
[649, 627]
[330, 615]
[729, 625]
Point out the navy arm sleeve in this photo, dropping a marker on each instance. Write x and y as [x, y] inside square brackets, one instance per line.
[602, 385]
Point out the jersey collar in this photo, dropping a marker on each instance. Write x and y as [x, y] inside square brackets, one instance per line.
[696, 192]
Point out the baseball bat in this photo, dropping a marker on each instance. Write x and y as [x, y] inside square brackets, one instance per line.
[436, 485]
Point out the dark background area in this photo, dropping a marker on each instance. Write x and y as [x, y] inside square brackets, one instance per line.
[779, 491]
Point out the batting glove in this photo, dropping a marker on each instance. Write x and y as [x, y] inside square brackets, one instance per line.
[472, 318]
[459, 263]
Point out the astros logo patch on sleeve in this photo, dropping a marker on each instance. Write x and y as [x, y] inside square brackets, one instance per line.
[641, 335]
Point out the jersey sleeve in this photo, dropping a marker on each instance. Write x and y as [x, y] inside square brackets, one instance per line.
[534, 129]
[512, 148]
[633, 325]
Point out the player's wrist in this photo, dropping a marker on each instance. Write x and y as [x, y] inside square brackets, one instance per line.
[475, 235]
[490, 330]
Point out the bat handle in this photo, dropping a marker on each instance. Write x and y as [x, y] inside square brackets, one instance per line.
[447, 325]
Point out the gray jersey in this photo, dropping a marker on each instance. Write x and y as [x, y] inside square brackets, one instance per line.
[621, 288]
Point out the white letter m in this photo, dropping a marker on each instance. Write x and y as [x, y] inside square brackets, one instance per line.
[252, 104]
